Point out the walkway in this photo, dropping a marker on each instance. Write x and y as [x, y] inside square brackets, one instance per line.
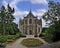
[17, 44]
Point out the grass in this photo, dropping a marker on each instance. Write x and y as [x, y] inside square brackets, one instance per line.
[31, 42]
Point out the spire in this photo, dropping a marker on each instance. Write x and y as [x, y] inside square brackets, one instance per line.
[30, 12]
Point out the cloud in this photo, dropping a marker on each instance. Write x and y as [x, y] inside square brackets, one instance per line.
[39, 1]
[19, 13]
[4, 3]
[40, 13]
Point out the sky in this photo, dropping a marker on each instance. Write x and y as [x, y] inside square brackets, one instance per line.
[22, 8]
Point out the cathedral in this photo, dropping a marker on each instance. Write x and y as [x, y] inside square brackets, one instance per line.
[30, 25]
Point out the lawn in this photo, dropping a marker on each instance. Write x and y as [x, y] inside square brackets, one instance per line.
[31, 42]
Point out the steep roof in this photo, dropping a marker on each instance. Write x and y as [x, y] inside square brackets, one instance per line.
[30, 14]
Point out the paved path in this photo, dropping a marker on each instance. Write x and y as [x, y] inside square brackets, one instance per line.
[16, 44]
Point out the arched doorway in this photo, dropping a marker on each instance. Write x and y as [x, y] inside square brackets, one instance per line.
[30, 32]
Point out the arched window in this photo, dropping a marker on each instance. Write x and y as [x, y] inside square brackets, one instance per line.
[30, 21]
[25, 21]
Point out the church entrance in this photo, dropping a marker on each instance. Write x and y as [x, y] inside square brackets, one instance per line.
[30, 32]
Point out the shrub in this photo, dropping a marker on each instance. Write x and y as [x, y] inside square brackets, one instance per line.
[10, 37]
[17, 35]
[31, 42]
[3, 39]
[22, 35]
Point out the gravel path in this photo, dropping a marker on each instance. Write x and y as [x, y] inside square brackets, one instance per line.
[53, 45]
[45, 45]
[16, 44]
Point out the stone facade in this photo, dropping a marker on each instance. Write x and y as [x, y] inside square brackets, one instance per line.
[30, 25]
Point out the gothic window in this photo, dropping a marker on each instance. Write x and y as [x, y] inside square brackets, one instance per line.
[25, 31]
[25, 21]
[38, 29]
[30, 21]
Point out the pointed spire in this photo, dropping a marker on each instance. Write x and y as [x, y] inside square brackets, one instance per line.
[30, 7]
[30, 11]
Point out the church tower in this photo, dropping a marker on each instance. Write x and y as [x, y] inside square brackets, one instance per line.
[30, 25]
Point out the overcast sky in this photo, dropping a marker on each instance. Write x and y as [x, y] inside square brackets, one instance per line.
[22, 7]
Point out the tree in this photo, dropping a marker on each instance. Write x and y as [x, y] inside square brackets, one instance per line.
[3, 18]
[15, 28]
[7, 26]
[10, 18]
[53, 16]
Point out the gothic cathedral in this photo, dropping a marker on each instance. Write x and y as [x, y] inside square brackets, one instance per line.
[30, 25]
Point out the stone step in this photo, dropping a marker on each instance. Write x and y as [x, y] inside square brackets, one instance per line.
[29, 36]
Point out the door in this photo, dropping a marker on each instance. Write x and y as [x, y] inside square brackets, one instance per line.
[30, 32]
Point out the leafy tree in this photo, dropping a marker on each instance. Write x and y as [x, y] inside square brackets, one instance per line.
[53, 32]
[3, 18]
[7, 26]
[15, 28]
[53, 16]
[10, 18]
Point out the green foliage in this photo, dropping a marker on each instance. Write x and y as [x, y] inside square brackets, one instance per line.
[7, 26]
[48, 35]
[5, 38]
[53, 16]
[53, 32]
[15, 28]
[10, 37]
[31, 42]
[3, 18]
[8, 29]
[44, 28]
[17, 35]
